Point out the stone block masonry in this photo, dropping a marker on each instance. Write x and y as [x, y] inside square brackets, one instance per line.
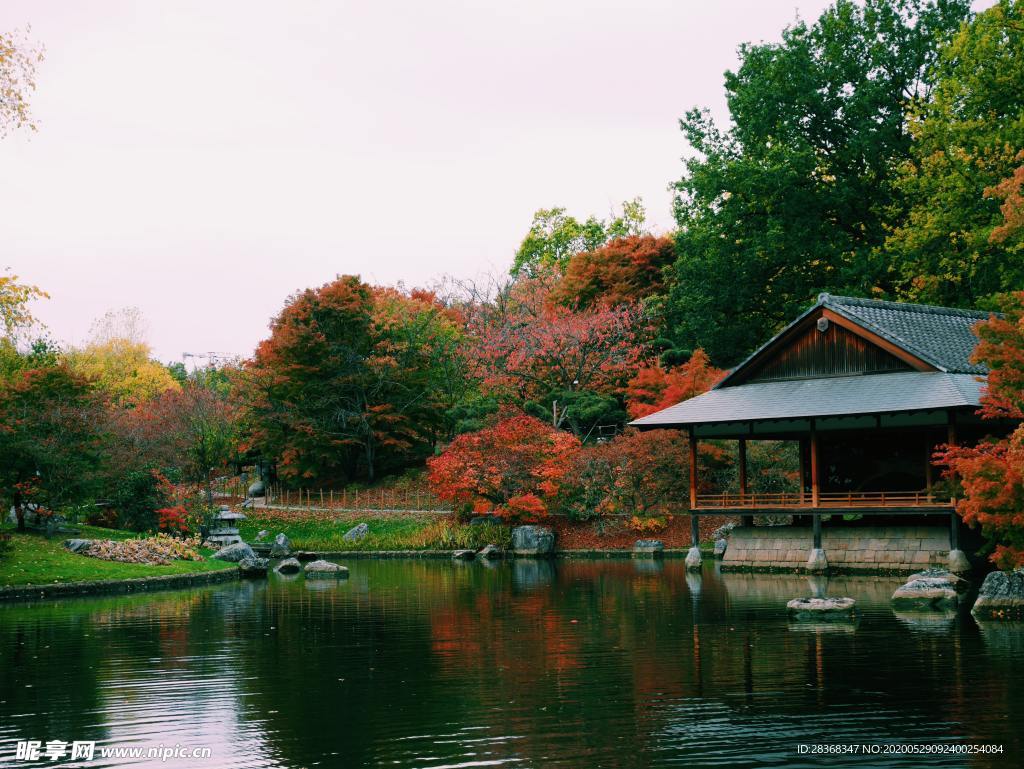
[895, 549]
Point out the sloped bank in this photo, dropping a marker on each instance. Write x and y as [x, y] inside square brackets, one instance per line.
[117, 586]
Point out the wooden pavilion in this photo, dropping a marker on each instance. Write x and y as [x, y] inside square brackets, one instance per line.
[867, 389]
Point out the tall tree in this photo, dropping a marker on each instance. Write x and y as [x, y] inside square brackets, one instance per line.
[796, 196]
[352, 380]
[968, 134]
[51, 438]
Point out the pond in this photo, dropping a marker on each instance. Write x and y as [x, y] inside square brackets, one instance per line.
[609, 663]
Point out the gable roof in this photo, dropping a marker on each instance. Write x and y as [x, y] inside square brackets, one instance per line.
[942, 337]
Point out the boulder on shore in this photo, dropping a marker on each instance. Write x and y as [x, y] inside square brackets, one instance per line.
[720, 547]
[463, 555]
[77, 545]
[821, 608]
[282, 546]
[533, 541]
[648, 548]
[491, 553]
[253, 567]
[234, 553]
[289, 566]
[325, 570]
[357, 532]
[1001, 595]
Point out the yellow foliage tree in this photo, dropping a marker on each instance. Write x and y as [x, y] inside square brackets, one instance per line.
[124, 369]
[14, 299]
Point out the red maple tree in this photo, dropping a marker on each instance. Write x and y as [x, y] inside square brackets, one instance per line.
[514, 468]
[991, 474]
[624, 271]
[654, 388]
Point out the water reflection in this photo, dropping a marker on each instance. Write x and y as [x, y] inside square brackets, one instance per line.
[535, 663]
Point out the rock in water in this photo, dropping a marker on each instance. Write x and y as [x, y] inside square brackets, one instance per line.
[234, 553]
[648, 548]
[463, 555]
[253, 567]
[357, 532]
[533, 541]
[817, 563]
[926, 592]
[325, 570]
[77, 545]
[1001, 595]
[821, 608]
[693, 559]
[490, 553]
[282, 546]
[289, 566]
[263, 533]
[720, 546]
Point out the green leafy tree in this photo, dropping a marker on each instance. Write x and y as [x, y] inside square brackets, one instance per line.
[555, 237]
[797, 195]
[51, 439]
[968, 134]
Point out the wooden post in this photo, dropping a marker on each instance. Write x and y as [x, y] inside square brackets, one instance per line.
[951, 440]
[954, 531]
[815, 480]
[743, 468]
[816, 518]
[694, 529]
[803, 468]
[745, 520]
[693, 469]
[928, 468]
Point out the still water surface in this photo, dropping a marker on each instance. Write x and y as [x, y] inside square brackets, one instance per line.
[526, 664]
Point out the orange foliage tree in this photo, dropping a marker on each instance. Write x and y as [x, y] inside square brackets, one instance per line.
[516, 468]
[992, 473]
[624, 271]
[654, 388]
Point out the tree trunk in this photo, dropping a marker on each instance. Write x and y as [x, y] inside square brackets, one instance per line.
[19, 510]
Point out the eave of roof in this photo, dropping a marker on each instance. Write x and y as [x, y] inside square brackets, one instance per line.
[837, 396]
[841, 305]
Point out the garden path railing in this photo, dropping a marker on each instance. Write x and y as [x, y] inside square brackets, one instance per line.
[410, 500]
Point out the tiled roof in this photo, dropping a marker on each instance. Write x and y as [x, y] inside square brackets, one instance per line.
[942, 336]
[799, 398]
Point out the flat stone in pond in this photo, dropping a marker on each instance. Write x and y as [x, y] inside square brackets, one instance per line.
[289, 566]
[253, 567]
[325, 570]
[234, 553]
[925, 593]
[649, 548]
[821, 608]
[1001, 595]
[463, 555]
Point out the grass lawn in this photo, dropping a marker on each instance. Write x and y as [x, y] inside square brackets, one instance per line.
[324, 531]
[32, 559]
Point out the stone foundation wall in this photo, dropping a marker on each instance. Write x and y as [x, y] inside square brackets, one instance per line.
[847, 548]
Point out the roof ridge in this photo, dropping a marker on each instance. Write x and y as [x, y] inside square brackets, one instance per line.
[924, 309]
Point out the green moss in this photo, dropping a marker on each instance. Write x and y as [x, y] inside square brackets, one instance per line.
[32, 559]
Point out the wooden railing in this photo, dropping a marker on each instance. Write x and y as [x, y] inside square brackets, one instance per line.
[841, 499]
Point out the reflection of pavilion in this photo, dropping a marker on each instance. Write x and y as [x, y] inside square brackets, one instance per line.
[866, 390]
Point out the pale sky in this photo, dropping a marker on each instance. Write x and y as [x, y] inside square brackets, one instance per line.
[204, 159]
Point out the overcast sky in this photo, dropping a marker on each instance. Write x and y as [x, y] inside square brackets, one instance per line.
[202, 160]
